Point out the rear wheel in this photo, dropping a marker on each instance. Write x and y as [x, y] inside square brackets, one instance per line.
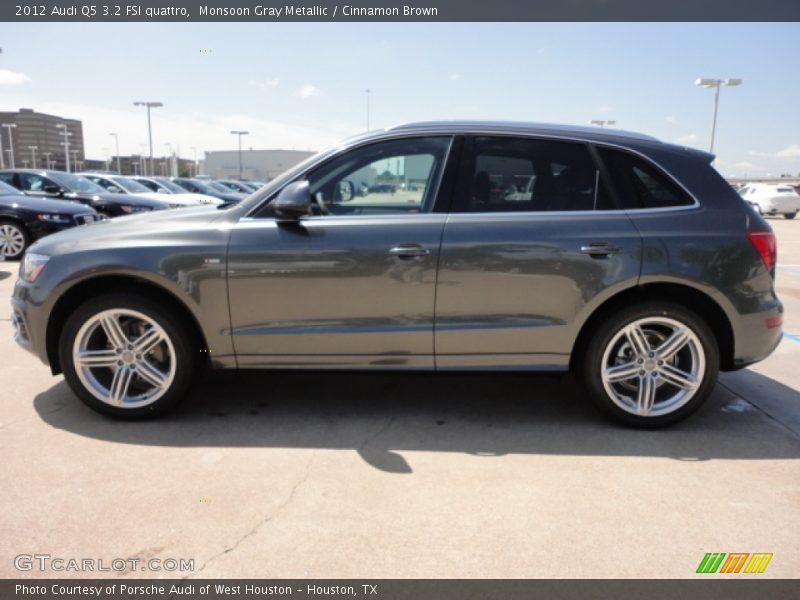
[651, 365]
[14, 238]
[789, 215]
[127, 357]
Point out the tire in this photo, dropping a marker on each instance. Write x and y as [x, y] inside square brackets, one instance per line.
[789, 215]
[644, 394]
[154, 377]
[14, 239]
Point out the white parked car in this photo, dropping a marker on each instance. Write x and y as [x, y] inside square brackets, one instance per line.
[772, 199]
[165, 186]
[119, 184]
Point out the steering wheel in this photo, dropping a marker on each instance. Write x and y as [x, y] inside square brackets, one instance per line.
[317, 198]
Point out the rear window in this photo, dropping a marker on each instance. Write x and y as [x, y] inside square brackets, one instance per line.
[640, 184]
[785, 190]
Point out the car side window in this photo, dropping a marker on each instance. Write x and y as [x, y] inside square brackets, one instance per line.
[509, 174]
[390, 177]
[30, 182]
[640, 184]
[7, 178]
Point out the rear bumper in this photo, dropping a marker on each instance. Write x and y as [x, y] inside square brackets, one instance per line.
[757, 335]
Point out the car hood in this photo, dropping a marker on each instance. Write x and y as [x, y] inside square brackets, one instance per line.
[45, 205]
[142, 228]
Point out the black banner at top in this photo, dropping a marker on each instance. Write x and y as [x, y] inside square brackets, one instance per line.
[405, 10]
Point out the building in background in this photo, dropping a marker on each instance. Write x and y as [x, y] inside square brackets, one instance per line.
[38, 138]
[256, 164]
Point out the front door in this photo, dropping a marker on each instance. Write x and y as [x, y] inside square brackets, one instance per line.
[353, 285]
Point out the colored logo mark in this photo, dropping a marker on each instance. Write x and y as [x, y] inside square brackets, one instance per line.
[734, 562]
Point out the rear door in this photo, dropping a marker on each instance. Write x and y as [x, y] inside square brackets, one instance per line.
[532, 245]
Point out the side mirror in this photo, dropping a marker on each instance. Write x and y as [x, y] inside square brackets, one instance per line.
[53, 190]
[293, 202]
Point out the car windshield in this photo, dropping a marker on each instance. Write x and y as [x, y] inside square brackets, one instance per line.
[219, 187]
[202, 186]
[129, 185]
[172, 187]
[76, 183]
[7, 190]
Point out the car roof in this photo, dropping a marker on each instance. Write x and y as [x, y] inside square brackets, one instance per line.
[522, 126]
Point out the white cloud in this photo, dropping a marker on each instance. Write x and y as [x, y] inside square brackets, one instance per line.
[308, 90]
[9, 77]
[267, 83]
[605, 109]
[455, 76]
[671, 119]
[690, 138]
[792, 151]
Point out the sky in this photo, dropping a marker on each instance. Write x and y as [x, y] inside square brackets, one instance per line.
[301, 86]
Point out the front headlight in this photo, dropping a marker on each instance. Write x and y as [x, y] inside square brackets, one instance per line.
[133, 209]
[54, 218]
[31, 266]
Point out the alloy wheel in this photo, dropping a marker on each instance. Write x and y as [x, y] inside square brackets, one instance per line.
[12, 240]
[124, 358]
[653, 366]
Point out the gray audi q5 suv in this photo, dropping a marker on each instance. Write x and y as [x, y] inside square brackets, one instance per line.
[449, 246]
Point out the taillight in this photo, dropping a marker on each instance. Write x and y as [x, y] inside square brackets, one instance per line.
[764, 242]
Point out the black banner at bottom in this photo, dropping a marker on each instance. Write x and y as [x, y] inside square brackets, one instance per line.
[734, 588]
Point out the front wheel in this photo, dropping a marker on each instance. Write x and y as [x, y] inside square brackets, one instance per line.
[651, 365]
[789, 215]
[127, 357]
[13, 240]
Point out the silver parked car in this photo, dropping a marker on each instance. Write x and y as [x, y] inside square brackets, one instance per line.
[452, 246]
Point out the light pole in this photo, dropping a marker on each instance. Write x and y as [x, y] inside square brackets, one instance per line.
[74, 154]
[106, 161]
[194, 159]
[240, 134]
[368, 92]
[65, 143]
[602, 122]
[716, 84]
[47, 160]
[10, 126]
[116, 140]
[2, 160]
[33, 150]
[149, 105]
[169, 160]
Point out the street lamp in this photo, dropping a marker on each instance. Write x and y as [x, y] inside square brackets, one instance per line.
[33, 150]
[74, 154]
[716, 84]
[65, 143]
[10, 126]
[602, 122]
[368, 92]
[47, 164]
[240, 134]
[116, 139]
[194, 166]
[149, 105]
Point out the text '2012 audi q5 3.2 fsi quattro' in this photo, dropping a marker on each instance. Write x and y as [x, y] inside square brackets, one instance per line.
[451, 246]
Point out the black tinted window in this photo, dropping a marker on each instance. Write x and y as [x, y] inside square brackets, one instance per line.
[639, 184]
[505, 174]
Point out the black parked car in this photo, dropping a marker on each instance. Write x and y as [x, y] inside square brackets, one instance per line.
[197, 186]
[24, 220]
[66, 186]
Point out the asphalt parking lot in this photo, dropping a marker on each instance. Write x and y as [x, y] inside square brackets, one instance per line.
[484, 476]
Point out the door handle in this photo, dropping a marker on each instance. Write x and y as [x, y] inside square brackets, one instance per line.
[600, 249]
[409, 251]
